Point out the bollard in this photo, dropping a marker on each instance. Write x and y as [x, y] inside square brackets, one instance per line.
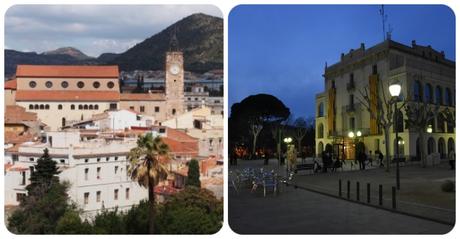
[348, 189]
[368, 193]
[393, 197]
[340, 187]
[357, 191]
[380, 194]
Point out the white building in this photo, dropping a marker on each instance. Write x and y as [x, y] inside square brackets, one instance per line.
[116, 120]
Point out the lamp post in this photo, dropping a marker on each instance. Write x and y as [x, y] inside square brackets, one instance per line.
[395, 90]
[287, 141]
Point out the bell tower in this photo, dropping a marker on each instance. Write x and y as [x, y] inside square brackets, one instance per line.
[174, 79]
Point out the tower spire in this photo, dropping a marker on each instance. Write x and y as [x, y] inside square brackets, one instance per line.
[174, 43]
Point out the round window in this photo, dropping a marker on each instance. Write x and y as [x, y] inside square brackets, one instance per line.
[32, 84]
[81, 84]
[65, 84]
[110, 84]
[96, 84]
[49, 84]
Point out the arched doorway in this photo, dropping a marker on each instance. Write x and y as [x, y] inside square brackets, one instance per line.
[430, 145]
[442, 148]
[320, 149]
[450, 145]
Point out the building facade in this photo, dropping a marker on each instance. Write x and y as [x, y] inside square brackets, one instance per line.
[425, 75]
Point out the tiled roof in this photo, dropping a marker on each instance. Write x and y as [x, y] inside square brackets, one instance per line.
[165, 190]
[14, 138]
[15, 114]
[179, 135]
[181, 148]
[67, 95]
[142, 97]
[11, 84]
[67, 71]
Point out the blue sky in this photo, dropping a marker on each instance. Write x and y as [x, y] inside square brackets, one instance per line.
[282, 50]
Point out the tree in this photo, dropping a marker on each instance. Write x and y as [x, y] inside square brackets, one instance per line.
[419, 116]
[191, 211]
[71, 223]
[43, 176]
[379, 105]
[300, 131]
[136, 220]
[255, 111]
[193, 175]
[109, 222]
[147, 168]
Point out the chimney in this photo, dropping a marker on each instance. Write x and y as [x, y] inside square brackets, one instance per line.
[414, 44]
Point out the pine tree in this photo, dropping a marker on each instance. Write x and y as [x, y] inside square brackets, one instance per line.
[193, 176]
[44, 175]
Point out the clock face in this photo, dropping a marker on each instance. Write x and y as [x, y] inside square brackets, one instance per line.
[174, 69]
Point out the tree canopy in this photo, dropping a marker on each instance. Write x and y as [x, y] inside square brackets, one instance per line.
[193, 175]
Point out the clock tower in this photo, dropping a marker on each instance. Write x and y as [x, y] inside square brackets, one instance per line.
[174, 80]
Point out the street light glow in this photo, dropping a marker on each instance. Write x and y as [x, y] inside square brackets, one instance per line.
[429, 129]
[358, 133]
[395, 89]
[287, 140]
[351, 134]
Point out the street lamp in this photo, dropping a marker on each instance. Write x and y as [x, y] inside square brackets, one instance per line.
[358, 133]
[351, 134]
[429, 129]
[395, 90]
[287, 141]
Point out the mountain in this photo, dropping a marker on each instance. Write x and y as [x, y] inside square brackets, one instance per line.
[73, 52]
[199, 36]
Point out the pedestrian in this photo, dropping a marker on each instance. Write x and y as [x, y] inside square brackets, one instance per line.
[380, 155]
[362, 160]
[324, 159]
[452, 159]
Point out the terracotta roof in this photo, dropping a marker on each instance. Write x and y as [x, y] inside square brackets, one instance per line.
[181, 148]
[142, 96]
[165, 190]
[67, 71]
[15, 114]
[67, 95]
[179, 135]
[11, 84]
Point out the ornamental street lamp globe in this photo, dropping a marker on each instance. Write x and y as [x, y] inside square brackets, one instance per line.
[351, 134]
[395, 89]
[358, 133]
[287, 140]
[429, 129]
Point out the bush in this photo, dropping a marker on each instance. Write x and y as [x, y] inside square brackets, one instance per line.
[448, 186]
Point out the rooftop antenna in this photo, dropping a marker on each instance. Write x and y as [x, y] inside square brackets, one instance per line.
[390, 30]
[384, 19]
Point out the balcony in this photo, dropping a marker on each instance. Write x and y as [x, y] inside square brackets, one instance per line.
[350, 85]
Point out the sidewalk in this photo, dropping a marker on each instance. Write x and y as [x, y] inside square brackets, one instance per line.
[420, 192]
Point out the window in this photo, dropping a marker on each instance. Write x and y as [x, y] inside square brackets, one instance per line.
[438, 95]
[32, 84]
[142, 108]
[62, 161]
[31, 159]
[63, 121]
[23, 181]
[428, 93]
[321, 109]
[115, 194]
[320, 131]
[86, 198]
[374, 70]
[86, 173]
[72, 107]
[85, 107]
[173, 111]
[59, 107]
[197, 124]
[90, 107]
[47, 107]
[113, 106]
[31, 107]
[98, 173]
[96, 107]
[107, 159]
[116, 169]
[49, 84]
[110, 84]
[131, 107]
[448, 97]
[86, 160]
[352, 123]
[65, 84]
[116, 158]
[42, 107]
[98, 159]
[36, 107]
[80, 84]
[157, 109]
[127, 193]
[417, 91]
[352, 100]
[98, 196]
[20, 197]
[80, 107]
[96, 84]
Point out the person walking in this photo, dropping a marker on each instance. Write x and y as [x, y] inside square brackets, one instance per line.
[452, 159]
[380, 158]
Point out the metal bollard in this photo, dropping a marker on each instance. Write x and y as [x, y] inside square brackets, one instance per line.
[368, 193]
[357, 191]
[348, 189]
[380, 194]
[393, 196]
[340, 187]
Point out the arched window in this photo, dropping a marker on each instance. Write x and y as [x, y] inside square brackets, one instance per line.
[428, 93]
[173, 111]
[320, 149]
[72, 107]
[438, 95]
[417, 91]
[321, 109]
[80, 107]
[90, 107]
[47, 107]
[448, 97]
[31, 107]
[320, 131]
[59, 107]
[37, 107]
[442, 148]
[85, 107]
[96, 107]
[42, 107]
[440, 124]
[450, 145]
[430, 145]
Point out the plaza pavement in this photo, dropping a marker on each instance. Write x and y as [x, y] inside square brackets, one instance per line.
[302, 211]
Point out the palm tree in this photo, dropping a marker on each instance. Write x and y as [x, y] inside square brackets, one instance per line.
[147, 169]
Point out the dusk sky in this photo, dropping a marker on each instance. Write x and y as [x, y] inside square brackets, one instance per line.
[93, 29]
[282, 50]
